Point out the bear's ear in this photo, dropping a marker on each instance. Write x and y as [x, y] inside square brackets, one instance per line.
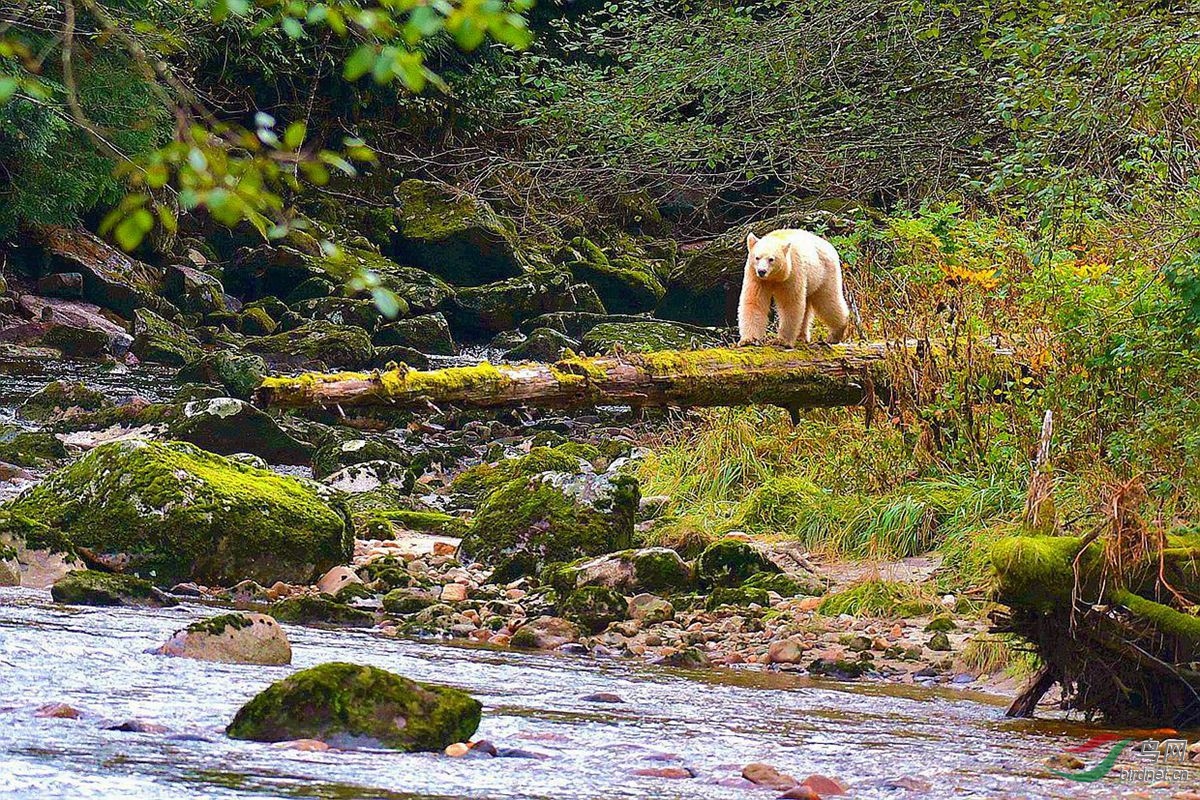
[751, 240]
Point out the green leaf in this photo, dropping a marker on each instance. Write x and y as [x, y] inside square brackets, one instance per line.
[8, 87]
[360, 62]
[293, 137]
[386, 301]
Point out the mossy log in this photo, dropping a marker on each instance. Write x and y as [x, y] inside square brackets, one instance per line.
[807, 377]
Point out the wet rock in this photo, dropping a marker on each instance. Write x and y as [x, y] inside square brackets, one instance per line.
[226, 426]
[337, 579]
[800, 792]
[650, 609]
[840, 669]
[347, 706]
[76, 342]
[786, 651]
[602, 697]
[155, 339]
[310, 610]
[594, 608]
[331, 456]
[57, 398]
[542, 344]
[389, 356]
[942, 624]
[625, 283]
[484, 747]
[426, 333]
[177, 512]
[363, 314]
[370, 475]
[477, 482]
[92, 588]
[939, 642]
[824, 786]
[687, 658]
[239, 373]
[192, 290]
[671, 773]
[138, 726]
[76, 314]
[646, 337]
[647, 570]
[530, 522]
[57, 711]
[305, 745]
[407, 601]
[256, 321]
[457, 750]
[67, 285]
[10, 569]
[317, 342]
[231, 639]
[482, 311]
[729, 563]
[454, 593]
[741, 596]
[545, 633]
[766, 775]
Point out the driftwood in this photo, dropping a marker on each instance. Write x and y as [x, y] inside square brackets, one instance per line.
[809, 377]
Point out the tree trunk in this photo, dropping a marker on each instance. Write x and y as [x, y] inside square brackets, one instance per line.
[808, 377]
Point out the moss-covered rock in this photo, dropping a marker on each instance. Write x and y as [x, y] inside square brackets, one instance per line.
[730, 563]
[256, 321]
[178, 513]
[91, 588]
[655, 570]
[786, 585]
[739, 596]
[347, 706]
[529, 523]
[57, 398]
[321, 610]
[625, 283]
[29, 448]
[594, 608]
[363, 314]
[479, 480]
[239, 373]
[649, 336]
[333, 456]
[311, 289]
[542, 344]
[231, 639]
[426, 333]
[76, 341]
[317, 342]
[407, 601]
[482, 311]
[158, 340]
[434, 522]
[193, 290]
[454, 235]
[226, 426]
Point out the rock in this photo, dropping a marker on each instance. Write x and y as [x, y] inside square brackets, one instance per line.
[138, 726]
[322, 610]
[389, 356]
[336, 579]
[55, 399]
[650, 610]
[730, 563]
[232, 639]
[824, 786]
[545, 633]
[741, 596]
[226, 426]
[594, 608]
[407, 601]
[389, 461]
[363, 314]
[192, 290]
[457, 750]
[76, 314]
[76, 342]
[28, 448]
[625, 283]
[454, 593]
[786, 651]
[156, 339]
[477, 482]
[348, 706]
[766, 775]
[646, 337]
[178, 513]
[687, 658]
[648, 570]
[111, 279]
[800, 792]
[530, 522]
[786, 585]
[673, 773]
[602, 697]
[92, 588]
[943, 624]
[239, 373]
[256, 321]
[57, 711]
[305, 745]
[317, 342]
[67, 285]
[10, 570]
[453, 234]
[482, 311]
[427, 333]
[939, 642]
[542, 344]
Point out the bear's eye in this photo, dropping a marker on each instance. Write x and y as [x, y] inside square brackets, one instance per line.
[771, 260]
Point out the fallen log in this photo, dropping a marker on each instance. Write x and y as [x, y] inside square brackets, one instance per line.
[808, 377]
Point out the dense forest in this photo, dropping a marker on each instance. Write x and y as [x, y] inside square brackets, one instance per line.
[402, 252]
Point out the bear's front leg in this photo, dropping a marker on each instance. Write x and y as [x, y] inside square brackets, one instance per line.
[754, 308]
[792, 310]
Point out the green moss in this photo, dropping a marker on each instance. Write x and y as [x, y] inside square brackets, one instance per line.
[353, 591]
[730, 563]
[784, 585]
[322, 609]
[877, 599]
[427, 522]
[256, 322]
[29, 448]
[594, 608]
[1037, 571]
[644, 337]
[58, 396]
[625, 283]
[478, 481]
[217, 625]
[943, 624]
[407, 601]
[91, 588]
[349, 705]
[180, 513]
[740, 596]
[317, 341]
[156, 339]
[1166, 620]
[239, 373]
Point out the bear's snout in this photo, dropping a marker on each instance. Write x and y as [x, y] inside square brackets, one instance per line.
[762, 271]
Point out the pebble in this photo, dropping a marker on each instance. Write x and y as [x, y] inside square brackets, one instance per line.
[766, 775]
[458, 749]
[454, 593]
[485, 747]
[138, 726]
[602, 697]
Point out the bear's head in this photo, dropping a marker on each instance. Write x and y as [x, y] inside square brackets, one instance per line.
[769, 257]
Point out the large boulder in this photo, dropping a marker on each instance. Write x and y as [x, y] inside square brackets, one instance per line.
[171, 512]
[542, 344]
[427, 333]
[647, 336]
[453, 235]
[193, 290]
[27, 448]
[531, 522]
[594, 608]
[317, 342]
[159, 340]
[60, 398]
[226, 426]
[239, 373]
[654, 570]
[75, 314]
[363, 314]
[625, 283]
[730, 563]
[348, 706]
[91, 588]
[486, 310]
[232, 639]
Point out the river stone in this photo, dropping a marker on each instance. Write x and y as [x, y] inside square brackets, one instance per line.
[57, 398]
[648, 336]
[316, 342]
[651, 569]
[542, 344]
[594, 608]
[626, 284]
[730, 563]
[10, 569]
[337, 453]
[156, 339]
[337, 579]
[321, 610]
[427, 333]
[174, 512]
[232, 639]
[529, 523]
[92, 588]
[650, 609]
[67, 285]
[194, 291]
[349, 706]
[226, 426]
[26, 448]
[370, 475]
[545, 633]
[482, 311]
[239, 373]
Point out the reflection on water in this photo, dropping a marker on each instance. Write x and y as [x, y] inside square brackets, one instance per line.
[713, 722]
[21, 378]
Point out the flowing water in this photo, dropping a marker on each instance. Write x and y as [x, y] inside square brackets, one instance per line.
[712, 722]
